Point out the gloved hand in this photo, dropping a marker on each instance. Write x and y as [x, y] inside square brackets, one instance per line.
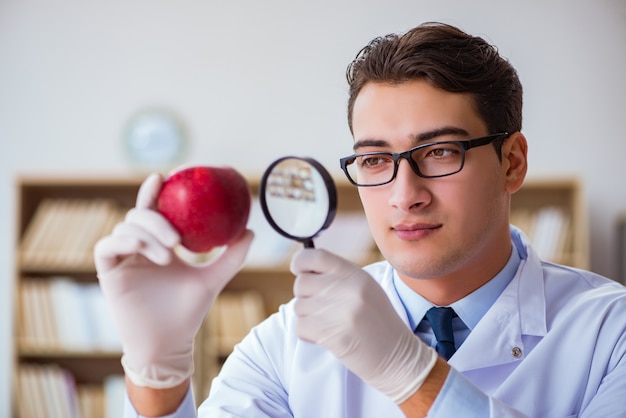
[342, 308]
[157, 301]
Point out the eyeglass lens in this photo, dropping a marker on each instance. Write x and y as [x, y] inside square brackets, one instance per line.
[432, 161]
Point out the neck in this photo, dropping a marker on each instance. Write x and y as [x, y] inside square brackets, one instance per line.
[447, 289]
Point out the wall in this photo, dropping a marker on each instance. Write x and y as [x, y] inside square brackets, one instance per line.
[258, 80]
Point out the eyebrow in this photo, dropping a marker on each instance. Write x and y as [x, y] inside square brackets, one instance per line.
[423, 137]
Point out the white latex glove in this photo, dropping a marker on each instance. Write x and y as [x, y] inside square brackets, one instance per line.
[342, 308]
[157, 301]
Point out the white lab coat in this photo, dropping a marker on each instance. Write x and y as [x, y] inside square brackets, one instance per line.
[552, 345]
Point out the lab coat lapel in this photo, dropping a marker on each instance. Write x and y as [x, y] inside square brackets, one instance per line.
[520, 310]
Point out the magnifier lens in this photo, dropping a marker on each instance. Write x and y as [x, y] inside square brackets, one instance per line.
[298, 197]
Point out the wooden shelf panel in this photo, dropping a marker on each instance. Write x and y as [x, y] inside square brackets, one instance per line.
[86, 370]
[26, 353]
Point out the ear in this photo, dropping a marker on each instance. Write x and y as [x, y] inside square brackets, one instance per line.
[515, 161]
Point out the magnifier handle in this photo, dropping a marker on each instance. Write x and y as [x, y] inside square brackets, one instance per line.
[308, 243]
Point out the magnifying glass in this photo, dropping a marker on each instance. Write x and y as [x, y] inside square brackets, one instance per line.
[298, 198]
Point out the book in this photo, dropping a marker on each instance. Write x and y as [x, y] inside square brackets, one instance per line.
[91, 400]
[46, 391]
[46, 334]
[549, 232]
[27, 328]
[114, 395]
[63, 232]
[234, 315]
[36, 231]
[69, 314]
[30, 401]
[59, 313]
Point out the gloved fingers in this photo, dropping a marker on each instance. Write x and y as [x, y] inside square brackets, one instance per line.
[320, 261]
[126, 241]
[155, 224]
[111, 250]
[330, 331]
[305, 306]
[149, 191]
[326, 303]
[319, 271]
[149, 246]
[308, 285]
[337, 296]
[311, 329]
[237, 251]
[307, 260]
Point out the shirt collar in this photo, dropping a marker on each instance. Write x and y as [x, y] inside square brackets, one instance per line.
[472, 307]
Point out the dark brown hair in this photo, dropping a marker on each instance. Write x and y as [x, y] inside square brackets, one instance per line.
[449, 59]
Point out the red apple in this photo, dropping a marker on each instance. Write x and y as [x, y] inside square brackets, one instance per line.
[209, 206]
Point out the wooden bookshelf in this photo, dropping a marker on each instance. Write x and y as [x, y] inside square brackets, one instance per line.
[252, 295]
[59, 221]
[564, 198]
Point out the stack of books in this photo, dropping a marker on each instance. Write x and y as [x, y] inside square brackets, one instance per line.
[49, 391]
[62, 233]
[58, 313]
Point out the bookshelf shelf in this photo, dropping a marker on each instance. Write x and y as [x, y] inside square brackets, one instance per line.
[55, 353]
[256, 292]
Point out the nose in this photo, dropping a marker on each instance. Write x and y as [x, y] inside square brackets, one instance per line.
[408, 189]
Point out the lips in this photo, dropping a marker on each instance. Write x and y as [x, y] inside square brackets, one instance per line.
[412, 232]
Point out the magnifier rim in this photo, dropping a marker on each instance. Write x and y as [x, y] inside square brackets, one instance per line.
[330, 188]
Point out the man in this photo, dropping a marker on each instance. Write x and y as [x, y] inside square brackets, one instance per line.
[436, 119]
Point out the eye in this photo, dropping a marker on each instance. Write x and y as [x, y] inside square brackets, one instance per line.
[442, 151]
[374, 161]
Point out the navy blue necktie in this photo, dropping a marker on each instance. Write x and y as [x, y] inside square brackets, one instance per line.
[441, 321]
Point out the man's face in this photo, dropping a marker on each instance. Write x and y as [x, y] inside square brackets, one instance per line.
[437, 227]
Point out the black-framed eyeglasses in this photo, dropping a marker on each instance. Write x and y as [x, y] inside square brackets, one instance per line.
[435, 159]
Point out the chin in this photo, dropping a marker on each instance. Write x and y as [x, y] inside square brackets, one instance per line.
[419, 263]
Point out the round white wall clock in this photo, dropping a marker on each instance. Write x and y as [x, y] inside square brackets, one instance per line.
[154, 138]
